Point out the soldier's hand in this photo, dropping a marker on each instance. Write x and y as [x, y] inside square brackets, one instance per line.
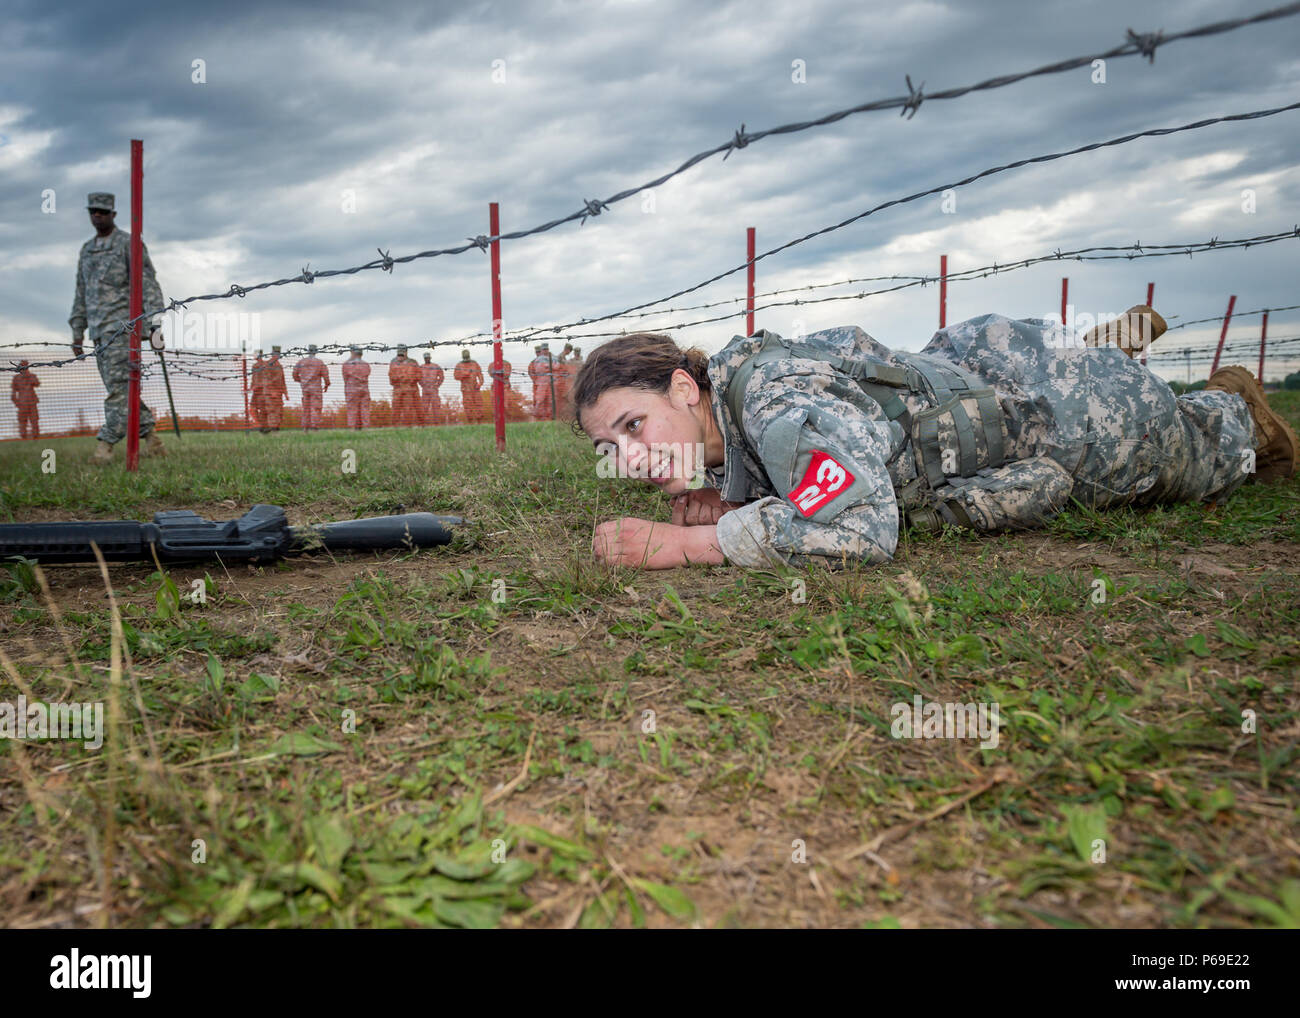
[77, 339]
[700, 507]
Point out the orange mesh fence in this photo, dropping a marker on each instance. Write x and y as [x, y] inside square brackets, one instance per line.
[234, 392]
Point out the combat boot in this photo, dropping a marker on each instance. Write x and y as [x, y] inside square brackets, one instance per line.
[154, 444]
[1276, 445]
[103, 452]
[1140, 326]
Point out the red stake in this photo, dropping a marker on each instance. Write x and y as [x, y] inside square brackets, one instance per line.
[1065, 298]
[943, 291]
[137, 306]
[498, 383]
[1151, 295]
[1263, 336]
[1224, 333]
[749, 325]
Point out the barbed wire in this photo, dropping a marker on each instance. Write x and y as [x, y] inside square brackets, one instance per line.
[962, 275]
[1235, 315]
[1138, 43]
[1126, 252]
[1155, 132]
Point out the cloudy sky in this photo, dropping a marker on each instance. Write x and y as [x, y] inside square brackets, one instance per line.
[324, 131]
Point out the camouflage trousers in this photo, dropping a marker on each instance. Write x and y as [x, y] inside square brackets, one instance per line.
[113, 360]
[311, 404]
[29, 420]
[358, 411]
[1090, 424]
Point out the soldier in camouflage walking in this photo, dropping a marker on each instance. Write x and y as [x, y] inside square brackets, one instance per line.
[103, 305]
[820, 449]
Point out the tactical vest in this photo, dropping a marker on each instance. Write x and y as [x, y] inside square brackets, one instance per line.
[962, 430]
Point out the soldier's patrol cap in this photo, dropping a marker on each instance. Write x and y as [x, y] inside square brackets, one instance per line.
[275, 349]
[464, 355]
[312, 348]
[428, 356]
[546, 347]
[401, 348]
[537, 348]
[100, 200]
[356, 349]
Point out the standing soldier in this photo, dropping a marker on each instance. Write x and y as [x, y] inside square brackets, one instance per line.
[404, 377]
[22, 393]
[564, 372]
[257, 392]
[356, 390]
[103, 304]
[310, 372]
[431, 377]
[470, 376]
[275, 392]
[540, 371]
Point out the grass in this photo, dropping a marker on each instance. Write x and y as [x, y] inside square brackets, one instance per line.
[505, 733]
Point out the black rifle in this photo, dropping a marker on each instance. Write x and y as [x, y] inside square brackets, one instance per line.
[260, 535]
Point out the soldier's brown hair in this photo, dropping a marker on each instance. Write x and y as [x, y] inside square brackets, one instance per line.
[643, 360]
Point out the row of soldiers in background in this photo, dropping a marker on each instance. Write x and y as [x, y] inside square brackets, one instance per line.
[416, 400]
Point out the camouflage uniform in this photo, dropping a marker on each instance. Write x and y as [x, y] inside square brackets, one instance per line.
[310, 372]
[22, 393]
[834, 456]
[404, 377]
[274, 391]
[102, 305]
[470, 376]
[542, 371]
[431, 379]
[257, 392]
[356, 390]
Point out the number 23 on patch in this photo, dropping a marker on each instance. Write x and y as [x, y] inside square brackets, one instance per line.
[823, 480]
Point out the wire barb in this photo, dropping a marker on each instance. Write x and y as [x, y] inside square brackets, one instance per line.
[914, 98]
[480, 242]
[594, 208]
[386, 263]
[739, 141]
[307, 275]
[1146, 42]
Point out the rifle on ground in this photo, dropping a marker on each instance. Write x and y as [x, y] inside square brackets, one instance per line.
[262, 534]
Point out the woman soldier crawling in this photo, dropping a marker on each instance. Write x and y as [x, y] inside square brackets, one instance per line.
[818, 449]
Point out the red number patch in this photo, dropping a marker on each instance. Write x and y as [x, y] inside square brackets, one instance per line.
[824, 479]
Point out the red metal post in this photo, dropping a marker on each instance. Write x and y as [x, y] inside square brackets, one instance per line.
[498, 383]
[1224, 333]
[1263, 337]
[749, 306]
[243, 369]
[1065, 298]
[943, 291]
[137, 306]
[1151, 295]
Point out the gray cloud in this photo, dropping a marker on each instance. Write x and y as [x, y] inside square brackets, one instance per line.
[245, 173]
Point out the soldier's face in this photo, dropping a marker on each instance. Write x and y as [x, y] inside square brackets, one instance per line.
[102, 220]
[651, 436]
